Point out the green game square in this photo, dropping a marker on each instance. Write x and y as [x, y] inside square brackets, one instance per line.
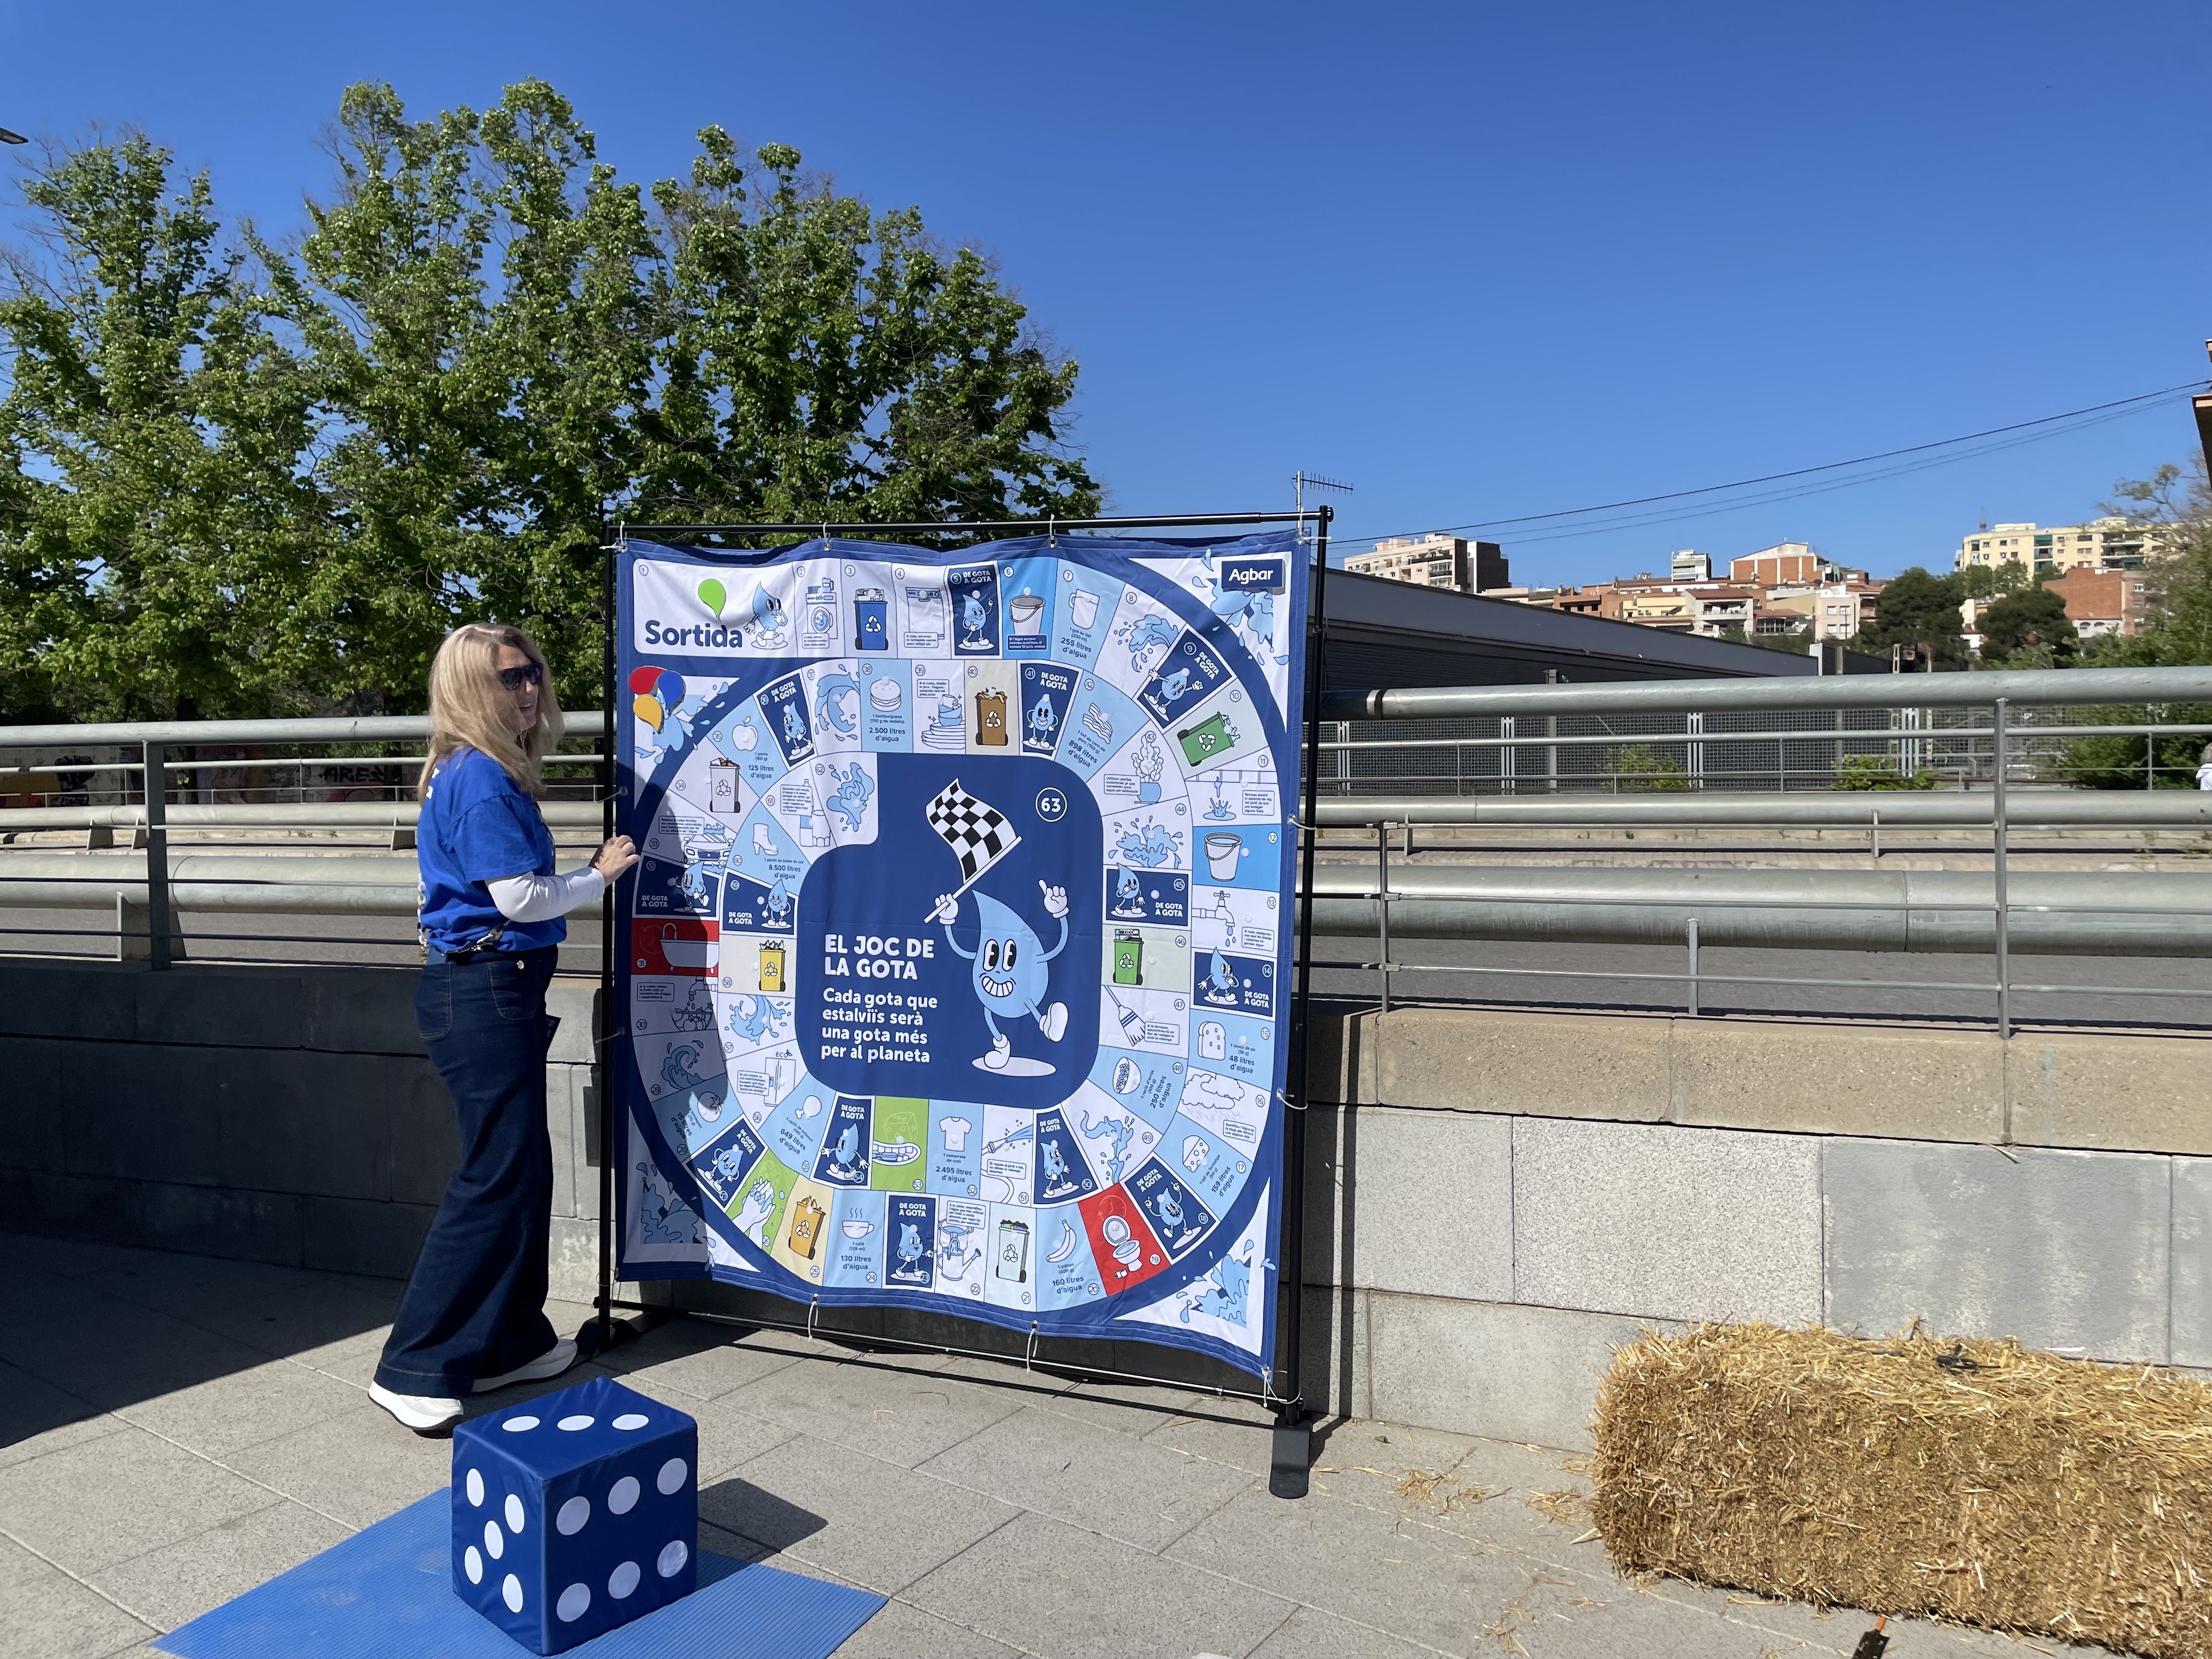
[900, 1123]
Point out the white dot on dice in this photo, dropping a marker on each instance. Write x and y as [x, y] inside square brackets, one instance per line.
[511, 1592]
[472, 1564]
[631, 1420]
[575, 1601]
[514, 1513]
[573, 1423]
[622, 1496]
[574, 1513]
[476, 1488]
[673, 1558]
[519, 1425]
[622, 1580]
[495, 1546]
[671, 1476]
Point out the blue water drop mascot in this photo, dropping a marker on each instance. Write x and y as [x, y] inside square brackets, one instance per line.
[1010, 975]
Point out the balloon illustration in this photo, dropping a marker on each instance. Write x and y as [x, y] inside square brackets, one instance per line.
[641, 677]
[711, 594]
[648, 708]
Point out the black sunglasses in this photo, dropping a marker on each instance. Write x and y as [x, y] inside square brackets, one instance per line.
[515, 678]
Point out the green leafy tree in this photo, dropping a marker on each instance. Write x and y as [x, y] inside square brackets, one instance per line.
[1638, 768]
[1882, 772]
[1981, 581]
[824, 361]
[1916, 608]
[2028, 630]
[239, 478]
[154, 531]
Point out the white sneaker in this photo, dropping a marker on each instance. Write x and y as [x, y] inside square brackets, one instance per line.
[1001, 1049]
[554, 1360]
[1053, 1022]
[422, 1413]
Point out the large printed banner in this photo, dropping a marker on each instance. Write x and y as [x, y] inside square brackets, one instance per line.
[958, 963]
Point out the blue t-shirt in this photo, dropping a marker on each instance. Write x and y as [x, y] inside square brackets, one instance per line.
[478, 826]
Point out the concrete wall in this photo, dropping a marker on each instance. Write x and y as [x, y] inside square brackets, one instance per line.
[1509, 1195]
[275, 1115]
[1494, 1200]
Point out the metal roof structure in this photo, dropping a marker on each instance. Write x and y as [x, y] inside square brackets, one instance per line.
[1383, 633]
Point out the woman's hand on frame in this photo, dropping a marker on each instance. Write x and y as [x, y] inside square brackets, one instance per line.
[616, 856]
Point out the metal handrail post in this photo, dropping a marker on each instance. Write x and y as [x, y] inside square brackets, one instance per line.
[154, 782]
[1382, 910]
[1690, 931]
[2000, 759]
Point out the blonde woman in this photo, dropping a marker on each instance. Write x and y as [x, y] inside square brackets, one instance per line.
[473, 1318]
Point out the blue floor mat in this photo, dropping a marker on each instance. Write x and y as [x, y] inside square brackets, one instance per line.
[388, 1591]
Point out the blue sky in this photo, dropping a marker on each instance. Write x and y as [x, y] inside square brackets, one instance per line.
[1481, 260]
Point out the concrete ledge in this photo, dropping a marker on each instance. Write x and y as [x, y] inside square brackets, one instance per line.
[2118, 1092]
[1547, 1064]
[1838, 1080]
[2112, 1093]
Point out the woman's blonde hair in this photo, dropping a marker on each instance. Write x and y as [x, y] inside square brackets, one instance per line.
[468, 704]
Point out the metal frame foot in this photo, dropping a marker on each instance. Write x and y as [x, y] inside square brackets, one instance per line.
[1289, 1469]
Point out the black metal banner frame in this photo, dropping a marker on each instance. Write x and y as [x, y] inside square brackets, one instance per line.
[1282, 1389]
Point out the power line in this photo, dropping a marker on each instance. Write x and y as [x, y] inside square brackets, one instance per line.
[2106, 410]
[1635, 521]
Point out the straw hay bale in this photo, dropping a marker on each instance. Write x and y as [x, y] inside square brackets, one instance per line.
[1967, 1479]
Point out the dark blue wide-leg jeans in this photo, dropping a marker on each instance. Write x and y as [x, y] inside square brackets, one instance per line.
[475, 1305]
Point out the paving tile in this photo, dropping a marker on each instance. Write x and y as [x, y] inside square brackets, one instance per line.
[105, 1500]
[185, 1285]
[1143, 1494]
[32, 1409]
[1309, 1633]
[901, 1417]
[900, 1631]
[183, 1580]
[108, 1352]
[859, 1517]
[328, 1308]
[357, 1467]
[259, 1403]
[1131, 1408]
[1043, 1585]
[1415, 1583]
[699, 1360]
[44, 1612]
[727, 1437]
[1362, 1461]
[351, 1359]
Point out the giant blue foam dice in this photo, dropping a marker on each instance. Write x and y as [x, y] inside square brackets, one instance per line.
[576, 1512]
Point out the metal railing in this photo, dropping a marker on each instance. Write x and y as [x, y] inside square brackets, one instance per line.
[1966, 727]
[146, 888]
[1969, 723]
[1769, 734]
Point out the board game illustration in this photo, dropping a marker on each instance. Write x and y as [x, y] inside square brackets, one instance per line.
[957, 964]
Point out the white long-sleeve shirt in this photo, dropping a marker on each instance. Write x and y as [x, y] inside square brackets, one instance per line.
[541, 898]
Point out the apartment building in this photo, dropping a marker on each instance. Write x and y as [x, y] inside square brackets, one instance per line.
[1786, 564]
[1833, 610]
[2052, 549]
[1435, 561]
[2102, 601]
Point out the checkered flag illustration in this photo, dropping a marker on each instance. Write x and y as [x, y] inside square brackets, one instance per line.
[976, 831]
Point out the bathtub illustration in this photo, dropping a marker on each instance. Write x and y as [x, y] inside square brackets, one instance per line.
[695, 953]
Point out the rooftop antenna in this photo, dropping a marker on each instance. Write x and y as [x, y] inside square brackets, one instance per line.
[1300, 482]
